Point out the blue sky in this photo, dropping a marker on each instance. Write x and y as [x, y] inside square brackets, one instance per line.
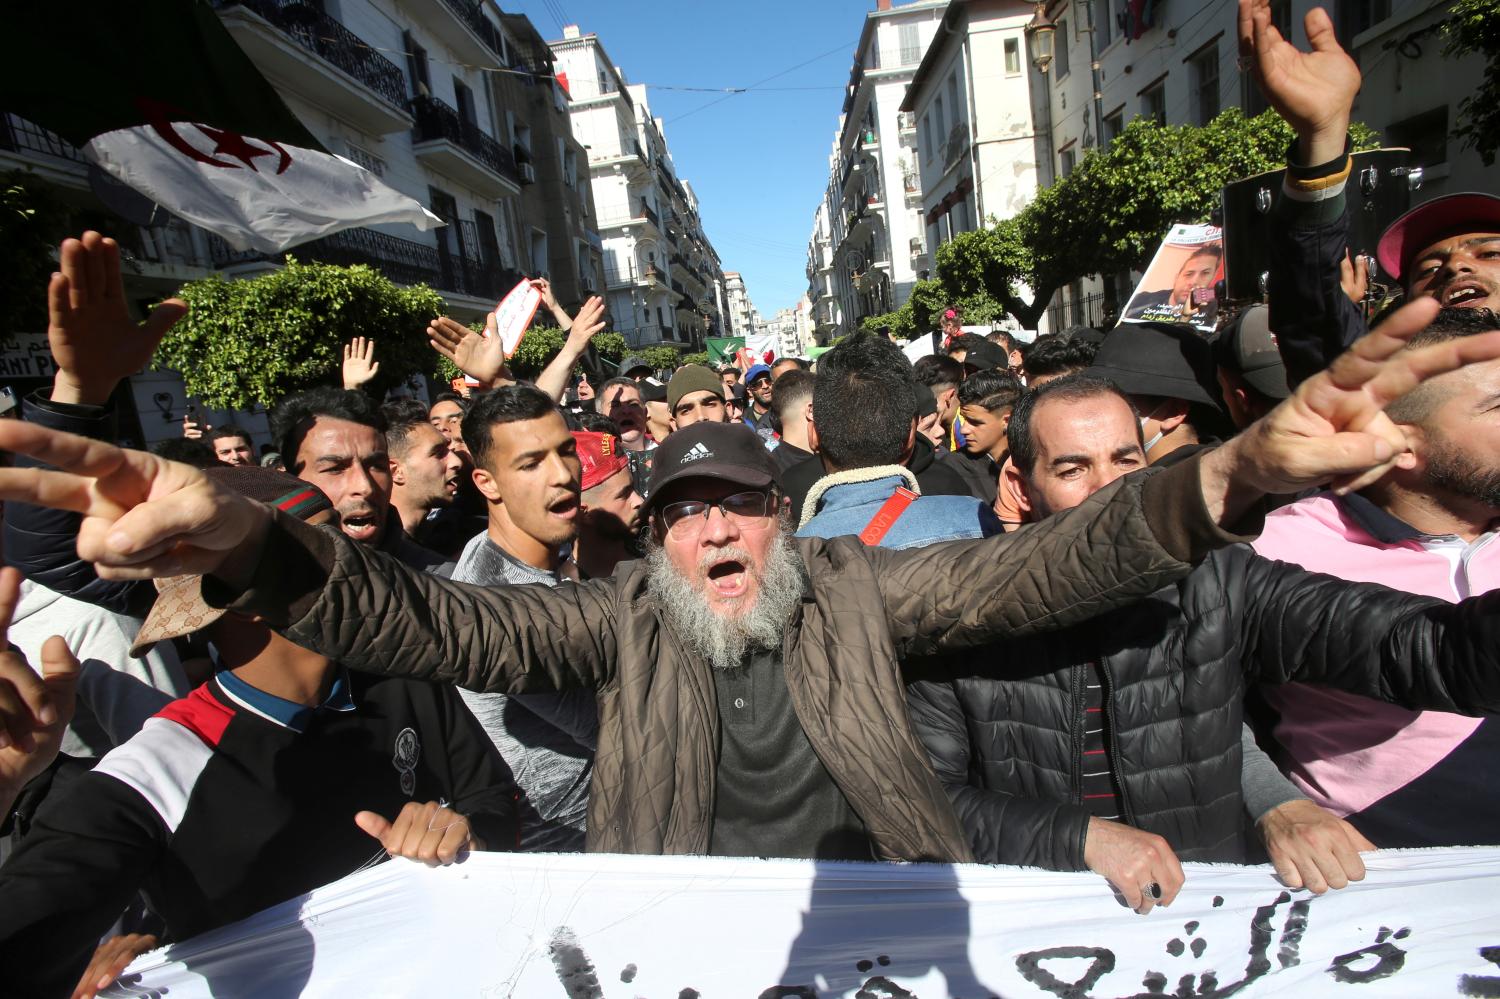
[758, 160]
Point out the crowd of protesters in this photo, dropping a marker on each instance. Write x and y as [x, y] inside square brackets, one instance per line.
[1099, 601]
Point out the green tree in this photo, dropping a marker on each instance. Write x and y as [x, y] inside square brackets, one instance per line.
[1474, 27]
[1111, 212]
[261, 339]
[699, 358]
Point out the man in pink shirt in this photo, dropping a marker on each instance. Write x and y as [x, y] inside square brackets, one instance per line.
[1406, 778]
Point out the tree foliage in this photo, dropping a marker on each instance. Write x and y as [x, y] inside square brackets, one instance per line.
[257, 340]
[1474, 27]
[1108, 215]
[699, 358]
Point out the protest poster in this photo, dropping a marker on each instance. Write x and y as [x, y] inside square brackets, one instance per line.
[1178, 286]
[1422, 923]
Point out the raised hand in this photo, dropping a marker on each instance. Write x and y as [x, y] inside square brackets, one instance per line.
[143, 516]
[480, 357]
[94, 340]
[588, 323]
[360, 365]
[1314, 91]
[549, 298]
[1333, 430]
[34, 710]
[191, 428]
[430, 833]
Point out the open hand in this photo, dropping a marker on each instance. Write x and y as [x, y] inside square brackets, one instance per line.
[482, 358]
[93, 339]
[588, 323]
[360, 365]
[1334, 429]
[143, 516]
[431, 833]
[1314, 91]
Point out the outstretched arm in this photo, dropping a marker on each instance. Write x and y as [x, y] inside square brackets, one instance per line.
[590, 320]
[1314, 91]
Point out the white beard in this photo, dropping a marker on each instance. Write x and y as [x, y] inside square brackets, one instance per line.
[726, 641]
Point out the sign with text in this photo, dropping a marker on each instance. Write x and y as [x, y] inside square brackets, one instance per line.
[26, 355]
[1422, 923]
[1178, 286]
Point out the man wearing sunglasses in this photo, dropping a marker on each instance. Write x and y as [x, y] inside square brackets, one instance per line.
[750, 696]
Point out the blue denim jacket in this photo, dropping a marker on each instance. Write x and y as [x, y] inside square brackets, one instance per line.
[847, 508]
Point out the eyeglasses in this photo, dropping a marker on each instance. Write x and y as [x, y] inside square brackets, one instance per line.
[744, 509]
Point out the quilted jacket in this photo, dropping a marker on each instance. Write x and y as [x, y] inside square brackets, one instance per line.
[1176, 666]
[862, 611]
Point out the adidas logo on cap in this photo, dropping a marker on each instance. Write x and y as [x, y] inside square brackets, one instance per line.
[698, 450]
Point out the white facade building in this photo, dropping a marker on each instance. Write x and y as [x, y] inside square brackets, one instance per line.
[406, 89]
[871, 220]
[1183, 69]
[743, 319]
[664, 279]
[970, 103]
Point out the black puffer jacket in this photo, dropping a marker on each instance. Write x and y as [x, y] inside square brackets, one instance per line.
[1176, 666]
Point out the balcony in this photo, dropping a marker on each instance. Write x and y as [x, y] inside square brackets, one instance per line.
[46, 153]
[462, 26]
[462, 272]
[906, 122]
[457, 148]
[304, 51]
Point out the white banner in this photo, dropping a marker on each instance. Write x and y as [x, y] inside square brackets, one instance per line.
[1422, 923]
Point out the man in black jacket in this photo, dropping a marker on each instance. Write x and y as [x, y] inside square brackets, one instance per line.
[1117, 745]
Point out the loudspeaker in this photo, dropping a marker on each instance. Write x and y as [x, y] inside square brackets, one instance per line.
[1378, 192]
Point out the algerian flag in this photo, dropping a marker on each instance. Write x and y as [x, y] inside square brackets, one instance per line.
[159, 96]
[721, 350]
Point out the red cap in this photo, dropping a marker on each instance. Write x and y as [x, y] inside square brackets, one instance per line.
[600, 455]
[1439, 218]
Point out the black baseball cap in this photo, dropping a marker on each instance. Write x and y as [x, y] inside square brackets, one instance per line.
[1248, 347]
[985, 356]
[728, 451]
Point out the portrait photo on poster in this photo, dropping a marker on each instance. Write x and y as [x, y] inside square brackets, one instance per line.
[1179, 283]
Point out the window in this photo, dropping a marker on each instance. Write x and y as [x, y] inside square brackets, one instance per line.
[1104, 22]
[1204, 69]
[1426, 135]
[939, 124]
[911, 45]
[927, 145]
[570, 168]
[1154, 102]
[1114, 124]
[538, 253]
[953, 101]
[1060, 48]
[464, 98]
[416, 66]
[1350, 17]
[1068, 158]
[489, 247]
[1012, 57]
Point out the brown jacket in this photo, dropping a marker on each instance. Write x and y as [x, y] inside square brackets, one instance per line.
[863, 610]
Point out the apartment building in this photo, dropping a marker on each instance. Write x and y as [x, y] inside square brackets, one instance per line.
[664, 280]
[447, 101]
[969, 104]
[871, 221]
